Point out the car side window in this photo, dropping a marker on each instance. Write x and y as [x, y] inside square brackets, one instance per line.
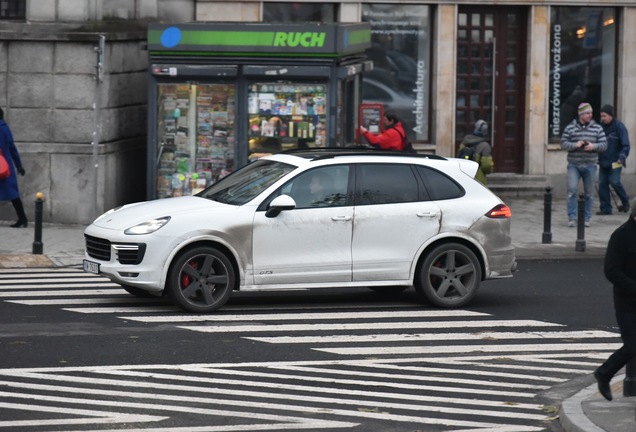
[439, 185]
[319, 187]
[385, 184]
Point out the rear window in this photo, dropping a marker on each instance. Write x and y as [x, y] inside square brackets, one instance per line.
[439, 185]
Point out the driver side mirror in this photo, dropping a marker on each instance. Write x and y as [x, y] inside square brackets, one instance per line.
[279, 204]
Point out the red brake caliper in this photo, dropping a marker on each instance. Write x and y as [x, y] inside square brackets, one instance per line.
[185, 278]
[436, 280]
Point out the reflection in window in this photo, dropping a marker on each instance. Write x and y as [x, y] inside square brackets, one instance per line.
[299, 11]
[385, 184]
[12, 9]
[401, 40]
[582, 62]
[321, 187]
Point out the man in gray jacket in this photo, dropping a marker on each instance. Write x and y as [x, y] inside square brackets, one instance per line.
[583, 139]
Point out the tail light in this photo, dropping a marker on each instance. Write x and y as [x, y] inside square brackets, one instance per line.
[500, 211]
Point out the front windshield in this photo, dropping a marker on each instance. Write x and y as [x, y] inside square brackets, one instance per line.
[245, 184]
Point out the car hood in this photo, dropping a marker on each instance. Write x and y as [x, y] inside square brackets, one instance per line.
[134, 214]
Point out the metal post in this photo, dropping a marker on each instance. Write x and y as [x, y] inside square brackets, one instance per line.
[547, 214]
[629, 383]
[99, 77]
[580, 224]
[37, 240]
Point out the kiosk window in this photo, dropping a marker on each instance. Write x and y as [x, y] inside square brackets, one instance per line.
[195, 136]
[284, 116]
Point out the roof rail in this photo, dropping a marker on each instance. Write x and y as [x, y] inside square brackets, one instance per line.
[330, 152]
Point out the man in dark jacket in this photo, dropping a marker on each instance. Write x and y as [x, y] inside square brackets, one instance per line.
[620, 270]
[612, 161]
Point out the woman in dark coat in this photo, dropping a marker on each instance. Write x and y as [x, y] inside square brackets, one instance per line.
[9, 186]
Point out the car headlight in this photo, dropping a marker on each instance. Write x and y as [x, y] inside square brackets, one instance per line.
[148, 226]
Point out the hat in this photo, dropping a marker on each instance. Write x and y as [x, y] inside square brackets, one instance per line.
[481, 128]
[608, 109]
[584, 107]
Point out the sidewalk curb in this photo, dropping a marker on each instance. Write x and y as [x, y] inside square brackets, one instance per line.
[571, 414]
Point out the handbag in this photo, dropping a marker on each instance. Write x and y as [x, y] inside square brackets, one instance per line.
[5, 171]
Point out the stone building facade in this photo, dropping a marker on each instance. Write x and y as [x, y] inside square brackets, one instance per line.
[83, 141]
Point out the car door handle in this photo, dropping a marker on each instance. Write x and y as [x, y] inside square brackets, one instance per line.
[340, 218]
[427, 214]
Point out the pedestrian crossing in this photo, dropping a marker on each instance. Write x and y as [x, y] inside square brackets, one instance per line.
[402, 369]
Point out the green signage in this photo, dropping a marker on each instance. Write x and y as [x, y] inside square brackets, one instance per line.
[311, 39]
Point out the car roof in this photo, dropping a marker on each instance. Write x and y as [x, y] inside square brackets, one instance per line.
[337, 152]
[306, 157]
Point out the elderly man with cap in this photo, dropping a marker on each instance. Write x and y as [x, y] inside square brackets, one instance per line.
[583, 139]
[612, 161]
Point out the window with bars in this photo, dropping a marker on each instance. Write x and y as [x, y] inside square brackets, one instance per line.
[12, 9]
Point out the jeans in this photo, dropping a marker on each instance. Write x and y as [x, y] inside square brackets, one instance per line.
[576, 173]
[627, 324]
[610, 177]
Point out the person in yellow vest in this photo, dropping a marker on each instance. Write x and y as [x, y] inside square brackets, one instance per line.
[475, 147]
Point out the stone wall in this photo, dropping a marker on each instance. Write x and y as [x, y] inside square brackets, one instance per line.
[48, 91]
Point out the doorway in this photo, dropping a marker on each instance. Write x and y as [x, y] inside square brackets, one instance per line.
[491, 76]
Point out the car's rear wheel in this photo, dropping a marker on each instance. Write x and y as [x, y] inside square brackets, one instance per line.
[201, 279]
[449, 276]
[137, 292]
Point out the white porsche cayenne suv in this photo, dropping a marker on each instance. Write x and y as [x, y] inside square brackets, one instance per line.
[312, 219]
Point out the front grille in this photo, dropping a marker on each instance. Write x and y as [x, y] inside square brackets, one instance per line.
[97, 248]
[130, 253]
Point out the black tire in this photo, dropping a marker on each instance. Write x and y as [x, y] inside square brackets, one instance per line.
[201, 279]
[449, 276]
[137, 292]
[388, 290]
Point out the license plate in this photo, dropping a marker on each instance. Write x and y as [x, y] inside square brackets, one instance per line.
[91, 267]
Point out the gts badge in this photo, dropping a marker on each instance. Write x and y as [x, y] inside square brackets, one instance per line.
[266, 272]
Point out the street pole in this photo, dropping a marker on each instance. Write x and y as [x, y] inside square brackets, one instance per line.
[580, 225]
[547, 214]
[99, 77]
[38, 246]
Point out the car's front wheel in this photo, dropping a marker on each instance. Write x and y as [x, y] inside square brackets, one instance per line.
[449, 276]
[201, 279]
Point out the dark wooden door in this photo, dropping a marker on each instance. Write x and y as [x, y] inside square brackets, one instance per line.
[491, 53]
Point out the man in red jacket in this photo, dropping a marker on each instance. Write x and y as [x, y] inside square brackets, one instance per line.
[393, 136]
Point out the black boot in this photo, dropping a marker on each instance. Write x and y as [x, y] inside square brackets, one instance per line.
[19, 209]
[603, 385]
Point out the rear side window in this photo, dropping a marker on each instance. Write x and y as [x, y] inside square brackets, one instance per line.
[385, 184]
[439, 185]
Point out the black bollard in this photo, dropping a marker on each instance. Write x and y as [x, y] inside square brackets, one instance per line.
[37, 240]
[629, 383]
[547, 214]
[580, 224]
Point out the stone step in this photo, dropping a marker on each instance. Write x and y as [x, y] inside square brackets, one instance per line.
[517, 185]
